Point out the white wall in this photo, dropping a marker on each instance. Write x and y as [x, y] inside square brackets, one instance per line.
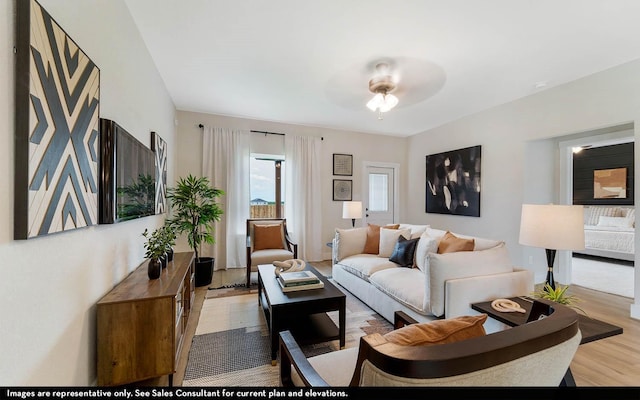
[507, 133]
[364, 147]
[49, 286]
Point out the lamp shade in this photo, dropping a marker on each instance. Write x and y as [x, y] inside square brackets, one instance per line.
[552, 226]
[352, 209]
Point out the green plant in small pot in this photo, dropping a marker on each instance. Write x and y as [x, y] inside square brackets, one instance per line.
[168, 235]
[194, 209]
[559, 295]
[155, 250]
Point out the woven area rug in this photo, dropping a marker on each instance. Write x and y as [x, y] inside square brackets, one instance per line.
[231, 346]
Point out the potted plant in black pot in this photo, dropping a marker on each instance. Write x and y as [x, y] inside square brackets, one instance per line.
[194, 210]
[155, 249]
[168, 235]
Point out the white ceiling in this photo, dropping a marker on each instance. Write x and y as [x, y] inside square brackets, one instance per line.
[309, 62]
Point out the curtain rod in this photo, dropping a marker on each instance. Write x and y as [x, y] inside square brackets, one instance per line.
[265, 132]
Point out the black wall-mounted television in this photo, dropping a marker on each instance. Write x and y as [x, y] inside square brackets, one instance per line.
[127, 175]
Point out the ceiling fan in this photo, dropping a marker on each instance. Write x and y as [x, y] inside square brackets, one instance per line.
[399, 81]
[382, 85]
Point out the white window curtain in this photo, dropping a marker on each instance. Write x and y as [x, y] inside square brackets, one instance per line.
[225, 161]
[302, 199]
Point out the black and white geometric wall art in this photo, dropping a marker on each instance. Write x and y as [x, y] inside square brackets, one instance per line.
[57, 96]
[453, 182]
[159, 147]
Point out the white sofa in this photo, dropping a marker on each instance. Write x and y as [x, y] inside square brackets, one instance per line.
[609, 232]
[438, 285]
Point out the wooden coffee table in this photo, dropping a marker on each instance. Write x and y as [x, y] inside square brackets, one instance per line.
[302, 312]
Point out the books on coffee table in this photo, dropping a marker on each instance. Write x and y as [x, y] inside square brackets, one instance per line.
[302, 286]
[298, 278]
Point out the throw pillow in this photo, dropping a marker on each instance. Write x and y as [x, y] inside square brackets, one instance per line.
[426, 245]
[349, 242]
[373, 239]
[404, 251]
[388, 239]
[615, 222]
[267, 237]
[439, 331]
[450, 243]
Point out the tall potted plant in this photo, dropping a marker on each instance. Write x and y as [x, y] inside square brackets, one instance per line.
[194, 210]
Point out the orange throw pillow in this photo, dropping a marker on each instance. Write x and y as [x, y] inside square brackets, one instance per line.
[450, 243]
[267, 237]
[373, 239]
[439, 331]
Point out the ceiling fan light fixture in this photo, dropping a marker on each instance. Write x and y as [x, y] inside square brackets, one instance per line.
[375, 102]
[383, 100]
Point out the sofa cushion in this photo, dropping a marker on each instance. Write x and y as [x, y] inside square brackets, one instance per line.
[268, 256]
[365, 265]
[388, 239]
[407, 286]
[440, 331]
[350, 242]
[480, 243]
[267, 237]
[463, 264]
[404, 251]
[451, 243]
[426, 245]
[416, 230]
[372, 244]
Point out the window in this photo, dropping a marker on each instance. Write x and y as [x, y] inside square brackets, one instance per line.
[378, 192]
[267, 186]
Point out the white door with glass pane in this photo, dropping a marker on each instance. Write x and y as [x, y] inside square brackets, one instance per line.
[379, 195]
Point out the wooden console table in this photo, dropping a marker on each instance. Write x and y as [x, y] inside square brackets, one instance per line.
[141, 323]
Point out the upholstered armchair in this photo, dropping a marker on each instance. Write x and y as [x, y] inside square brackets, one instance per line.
[268, 241]
[537, 353]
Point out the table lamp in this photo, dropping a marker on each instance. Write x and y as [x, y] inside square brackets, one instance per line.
[353, 210]
[552, 227]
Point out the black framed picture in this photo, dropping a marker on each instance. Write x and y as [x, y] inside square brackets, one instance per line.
[453, 182]
[343, 164]
[342, 189]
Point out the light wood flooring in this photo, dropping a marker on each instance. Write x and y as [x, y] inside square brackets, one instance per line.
[614, 361]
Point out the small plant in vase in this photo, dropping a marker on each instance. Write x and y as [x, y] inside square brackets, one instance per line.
[169, 239]
[155, 250]
[559, 295]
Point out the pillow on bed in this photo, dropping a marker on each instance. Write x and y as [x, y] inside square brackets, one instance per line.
[615, 222]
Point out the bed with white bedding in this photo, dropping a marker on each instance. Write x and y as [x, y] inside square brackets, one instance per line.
[609, 232]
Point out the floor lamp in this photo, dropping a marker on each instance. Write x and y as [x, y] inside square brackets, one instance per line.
[352, 210]
[552, 227]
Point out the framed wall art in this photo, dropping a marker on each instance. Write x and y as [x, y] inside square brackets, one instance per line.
[603, 175]
[343, 164]
[159, 147]
[453, 182]
[57, 97]
[610, 183]
[342, 189]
